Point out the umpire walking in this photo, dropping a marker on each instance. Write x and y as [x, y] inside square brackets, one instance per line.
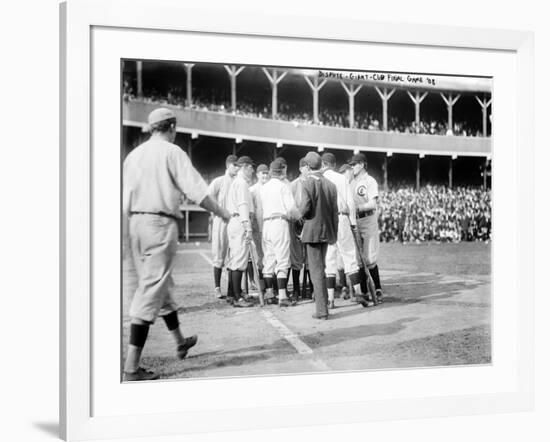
[155, 175]
[319, 209]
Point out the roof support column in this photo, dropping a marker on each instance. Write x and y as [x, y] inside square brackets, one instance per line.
[139, 72]
[385, 96]
[315, 88]
[418, 171]
[385, 170]
[233, 71]
[417, 99]
[352, 91]
[188, 69]
[450, 101]
[274, 78]
[485, 103]
[451, 173]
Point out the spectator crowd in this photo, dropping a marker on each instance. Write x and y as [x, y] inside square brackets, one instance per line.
[435, 213]
[215, 101]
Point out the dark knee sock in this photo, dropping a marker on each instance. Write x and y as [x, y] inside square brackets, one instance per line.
[281, 283]
[236, 278]
[354, 278]
[217, 276]
[296, 280]
[171, 321]
[230, 283]
[342, 277]
[376, 277]
[275, 286]
[331, 282]
[268, 282]
[250, 271]
[138, 334]
[363, 279]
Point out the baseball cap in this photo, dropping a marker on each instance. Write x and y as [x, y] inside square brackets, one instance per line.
[262, 168]
[281, 160]
[276, 166]
[358, 158]
[302, 162]
[344, 167]
[245, 160]
[328, 158]
[313, 160]
[231, 159]
[160, 114]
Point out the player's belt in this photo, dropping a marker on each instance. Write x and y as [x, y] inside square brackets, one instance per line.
[166, 215]
[343, 213]
[233, 215]
[269, 218]
[364, 213]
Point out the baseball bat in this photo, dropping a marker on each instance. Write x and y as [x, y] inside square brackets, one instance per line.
[254, 256]
[370, 282]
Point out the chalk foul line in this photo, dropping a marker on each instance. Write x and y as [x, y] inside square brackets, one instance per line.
[287, 334]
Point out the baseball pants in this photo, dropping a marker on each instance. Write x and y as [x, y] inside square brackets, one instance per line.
[368, 230]
[219, 242]
[238, 250]
[345, 246]
[276, 247]
[153, 239]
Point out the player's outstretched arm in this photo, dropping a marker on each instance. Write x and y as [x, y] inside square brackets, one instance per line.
[210, 205]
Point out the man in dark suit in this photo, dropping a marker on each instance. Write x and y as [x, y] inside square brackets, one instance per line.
[319, 209]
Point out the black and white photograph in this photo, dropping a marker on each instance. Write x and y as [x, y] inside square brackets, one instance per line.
[290, 220]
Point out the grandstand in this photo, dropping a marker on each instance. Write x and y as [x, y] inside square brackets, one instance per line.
[416, 130]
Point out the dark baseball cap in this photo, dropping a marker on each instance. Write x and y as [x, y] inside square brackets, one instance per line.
[344, 167]
[302, 162]
[313, 160]
[282, 160]
[262, 168]
[231, 159]
[328, 158]
[358, 158]
[276, 167]
[245, 160]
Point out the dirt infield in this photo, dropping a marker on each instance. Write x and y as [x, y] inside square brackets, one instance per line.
[437, 312]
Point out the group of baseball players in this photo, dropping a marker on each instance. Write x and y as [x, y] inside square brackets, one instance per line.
[266, 225]
[320, 223]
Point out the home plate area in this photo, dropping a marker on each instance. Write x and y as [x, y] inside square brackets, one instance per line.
[436, 312]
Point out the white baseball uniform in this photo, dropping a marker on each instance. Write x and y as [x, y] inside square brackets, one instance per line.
[345, 244]
[218, 190]
[155, 175]
[365, 189]
[278, 206]
[240, 205]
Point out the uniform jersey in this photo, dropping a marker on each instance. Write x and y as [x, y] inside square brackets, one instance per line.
[346, 203]
[239, 199]
[276, 199]
[155, 175]
[219, 188]
[239, 204]
[364, 188]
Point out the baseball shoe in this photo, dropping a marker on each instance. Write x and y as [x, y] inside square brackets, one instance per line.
[286, 302]
[141, 375]
[379, 296]
[317, 316]
[243, 303]
[345, 293]
[362, 299]
[331, 305]
[187, 344]
[218, 293]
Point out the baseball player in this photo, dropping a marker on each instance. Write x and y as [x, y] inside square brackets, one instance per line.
[277, 208]
[218, 191]
[262, 174]
[297, 255]
[155, 175]
[345, 243]
[365, 194]
[239, 228]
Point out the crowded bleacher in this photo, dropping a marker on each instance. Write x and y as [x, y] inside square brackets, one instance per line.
[435, 213]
